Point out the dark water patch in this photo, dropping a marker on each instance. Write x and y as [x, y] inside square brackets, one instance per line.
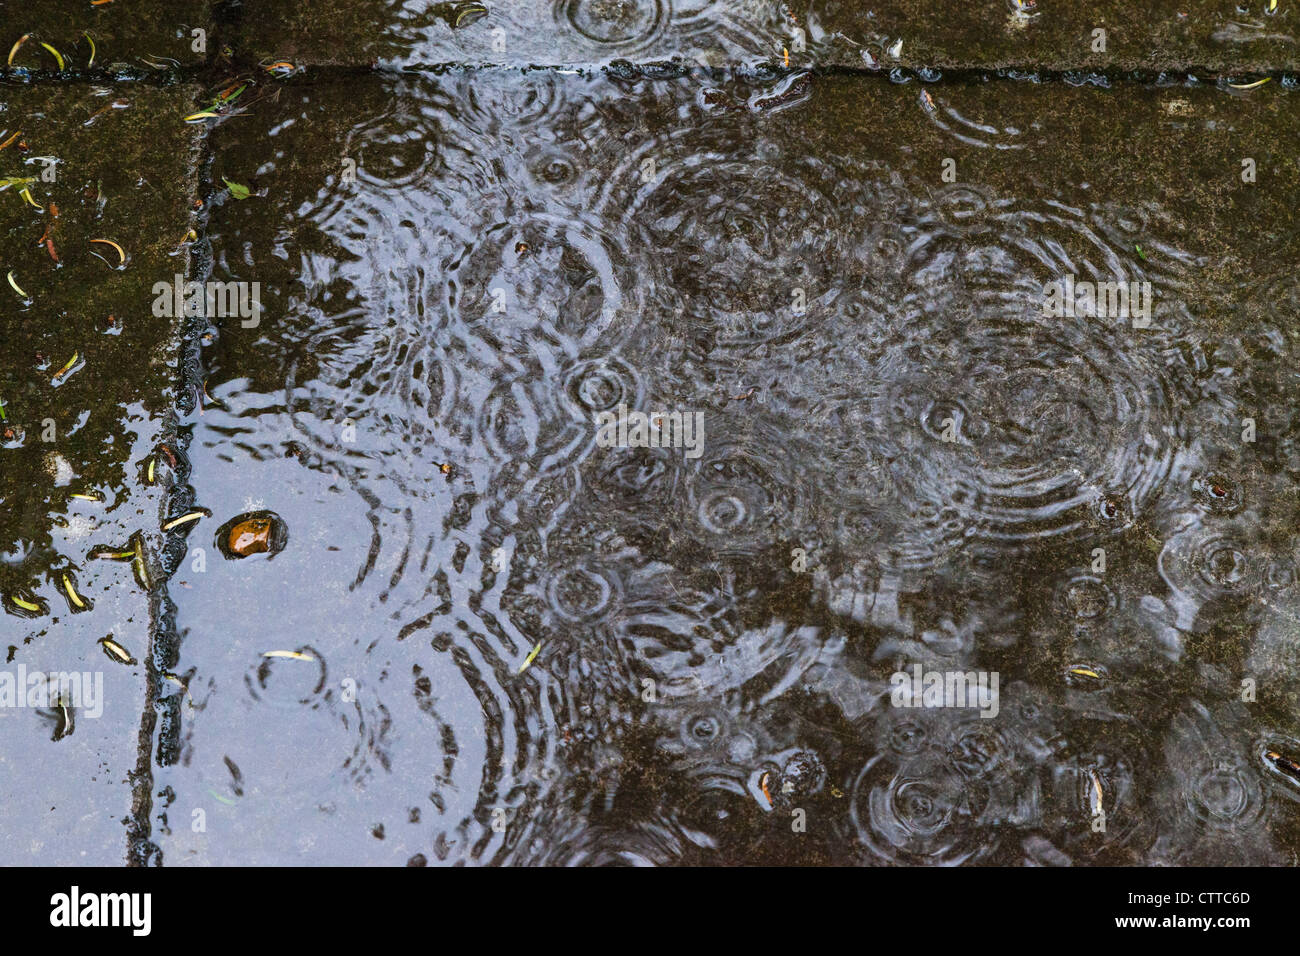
[1032, 37]
[560, 647]
[86, 39]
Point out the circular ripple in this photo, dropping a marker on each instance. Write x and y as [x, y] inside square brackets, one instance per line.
[1096, 797]
[684, 633]
[1084, 598]
[311, 740]
[978, 750]
[578, 593]
[544, 280]
[1224, 797]
[288, 679]
[1012, 428]
[740, 492]
[526, 422]
[718, 814]
[923, 812]
[705, 729]
[1214, 788]
[601, 385]
[553, 168]
[639, 484]
[751, 247]
[615, 24]
[651, 842]
[961, 208]
[908, 737]
[529, 102]
[497, 727]
[1208, 562]
[1217, 493]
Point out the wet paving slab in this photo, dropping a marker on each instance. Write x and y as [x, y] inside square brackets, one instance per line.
[62, 39]
[97, 207]
[1023, 35]
[456, 603]
[598, 465]
[1110, 36]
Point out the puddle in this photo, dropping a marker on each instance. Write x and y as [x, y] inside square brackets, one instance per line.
[712, 460]
[502, 633]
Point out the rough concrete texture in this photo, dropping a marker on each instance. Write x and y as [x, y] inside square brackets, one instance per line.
[990, 34]
[1052, 36]
[1109, 36]
[154, 34]
[74, 471]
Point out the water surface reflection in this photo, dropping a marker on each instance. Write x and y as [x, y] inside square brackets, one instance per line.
[504, 642]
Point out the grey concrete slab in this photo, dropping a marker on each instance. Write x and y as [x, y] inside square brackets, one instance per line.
[1111, 36]
[153, 34]
[1173, 35]
[87, 376]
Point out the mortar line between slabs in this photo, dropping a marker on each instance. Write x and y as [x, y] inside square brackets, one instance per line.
[164, 636]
